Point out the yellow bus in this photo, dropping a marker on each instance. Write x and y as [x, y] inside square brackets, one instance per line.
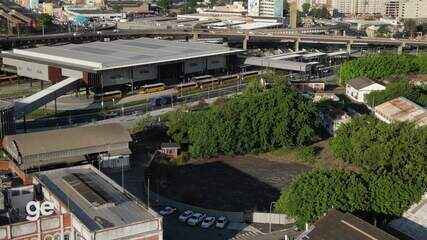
[152, 88]
[108, 96]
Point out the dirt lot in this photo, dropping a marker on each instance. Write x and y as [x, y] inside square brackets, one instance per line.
[228, 183]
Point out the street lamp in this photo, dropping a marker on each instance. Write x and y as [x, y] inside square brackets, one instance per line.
[271, 206]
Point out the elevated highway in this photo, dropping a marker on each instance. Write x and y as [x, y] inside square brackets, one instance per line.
[244, 36]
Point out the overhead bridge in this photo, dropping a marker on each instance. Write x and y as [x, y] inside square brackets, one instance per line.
[31, 103]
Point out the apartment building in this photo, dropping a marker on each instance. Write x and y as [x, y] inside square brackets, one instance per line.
[360, 7]
[265, 8]
[413, 9]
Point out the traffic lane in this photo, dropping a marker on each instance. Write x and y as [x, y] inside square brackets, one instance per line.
[176, 230]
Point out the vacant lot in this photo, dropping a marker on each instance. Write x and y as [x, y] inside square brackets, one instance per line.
[227, 183]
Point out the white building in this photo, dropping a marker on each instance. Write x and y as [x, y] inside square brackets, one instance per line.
[401, 109]
[414, 9]
[358, 88]
[360, 7]
[265, 8]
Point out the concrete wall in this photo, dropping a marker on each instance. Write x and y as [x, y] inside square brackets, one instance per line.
[142, 73]
[216, 62]
[29, 69]
[259, 217]
[132, 230]
[194, 65]
[115, 77]
[72, 73]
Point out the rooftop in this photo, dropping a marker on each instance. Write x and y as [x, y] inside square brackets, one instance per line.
[360, 83]
[336, 225]
[69, 139]
[93, 198]
[401, 109]
[414, 221]
[121, 53]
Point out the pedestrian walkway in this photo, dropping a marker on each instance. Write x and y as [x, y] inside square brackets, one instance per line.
[246, 236]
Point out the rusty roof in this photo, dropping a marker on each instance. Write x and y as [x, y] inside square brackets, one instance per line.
[401, 109]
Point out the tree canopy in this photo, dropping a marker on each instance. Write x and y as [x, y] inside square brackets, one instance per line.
[401, 88]
[45, 19]
[258, 120]
[164, 5]
[312, 194]
[398, 148]
[305, 8]
[379, 66]
[392, 173]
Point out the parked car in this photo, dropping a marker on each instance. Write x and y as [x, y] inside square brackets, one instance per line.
[185, 216]
[221, 222]
[196, 218]
[208, 222]
[167, 211]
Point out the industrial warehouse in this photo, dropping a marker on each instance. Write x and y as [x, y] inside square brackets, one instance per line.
[104, 65]
[68, 146]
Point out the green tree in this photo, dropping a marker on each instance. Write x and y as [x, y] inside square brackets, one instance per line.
[410, 26]
[45, 20]
[375, 146]
[401, 88]
[306, 8]
[377, 66]
[383, 31]
[314, 193]
[258, 120]
[164, 5]
[190, 6]
[117, 8]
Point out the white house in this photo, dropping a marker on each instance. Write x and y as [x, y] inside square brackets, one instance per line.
[356, 89]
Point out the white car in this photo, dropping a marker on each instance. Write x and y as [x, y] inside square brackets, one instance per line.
[167, 211]
[185, 216]
[208, 222]
[221, 222]
[196, 218]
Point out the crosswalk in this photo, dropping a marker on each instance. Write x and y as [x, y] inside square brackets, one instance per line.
[246, 236]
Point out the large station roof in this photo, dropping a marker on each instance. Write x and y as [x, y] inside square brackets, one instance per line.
[119, 53]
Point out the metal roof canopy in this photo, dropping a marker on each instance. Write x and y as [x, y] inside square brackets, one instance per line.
[279, 64]
[122, 53]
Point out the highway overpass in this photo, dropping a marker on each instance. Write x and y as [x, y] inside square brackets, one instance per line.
[245, 37]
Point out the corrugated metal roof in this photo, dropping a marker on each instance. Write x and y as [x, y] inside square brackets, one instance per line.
[122, 53]
[69, 139]
[401, 109]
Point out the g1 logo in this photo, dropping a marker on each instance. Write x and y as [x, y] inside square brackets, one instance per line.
[35, 209]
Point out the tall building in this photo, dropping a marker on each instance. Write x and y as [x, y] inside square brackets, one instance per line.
[359, 7]
[265, 8]
[415, 9]
[392, 8]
